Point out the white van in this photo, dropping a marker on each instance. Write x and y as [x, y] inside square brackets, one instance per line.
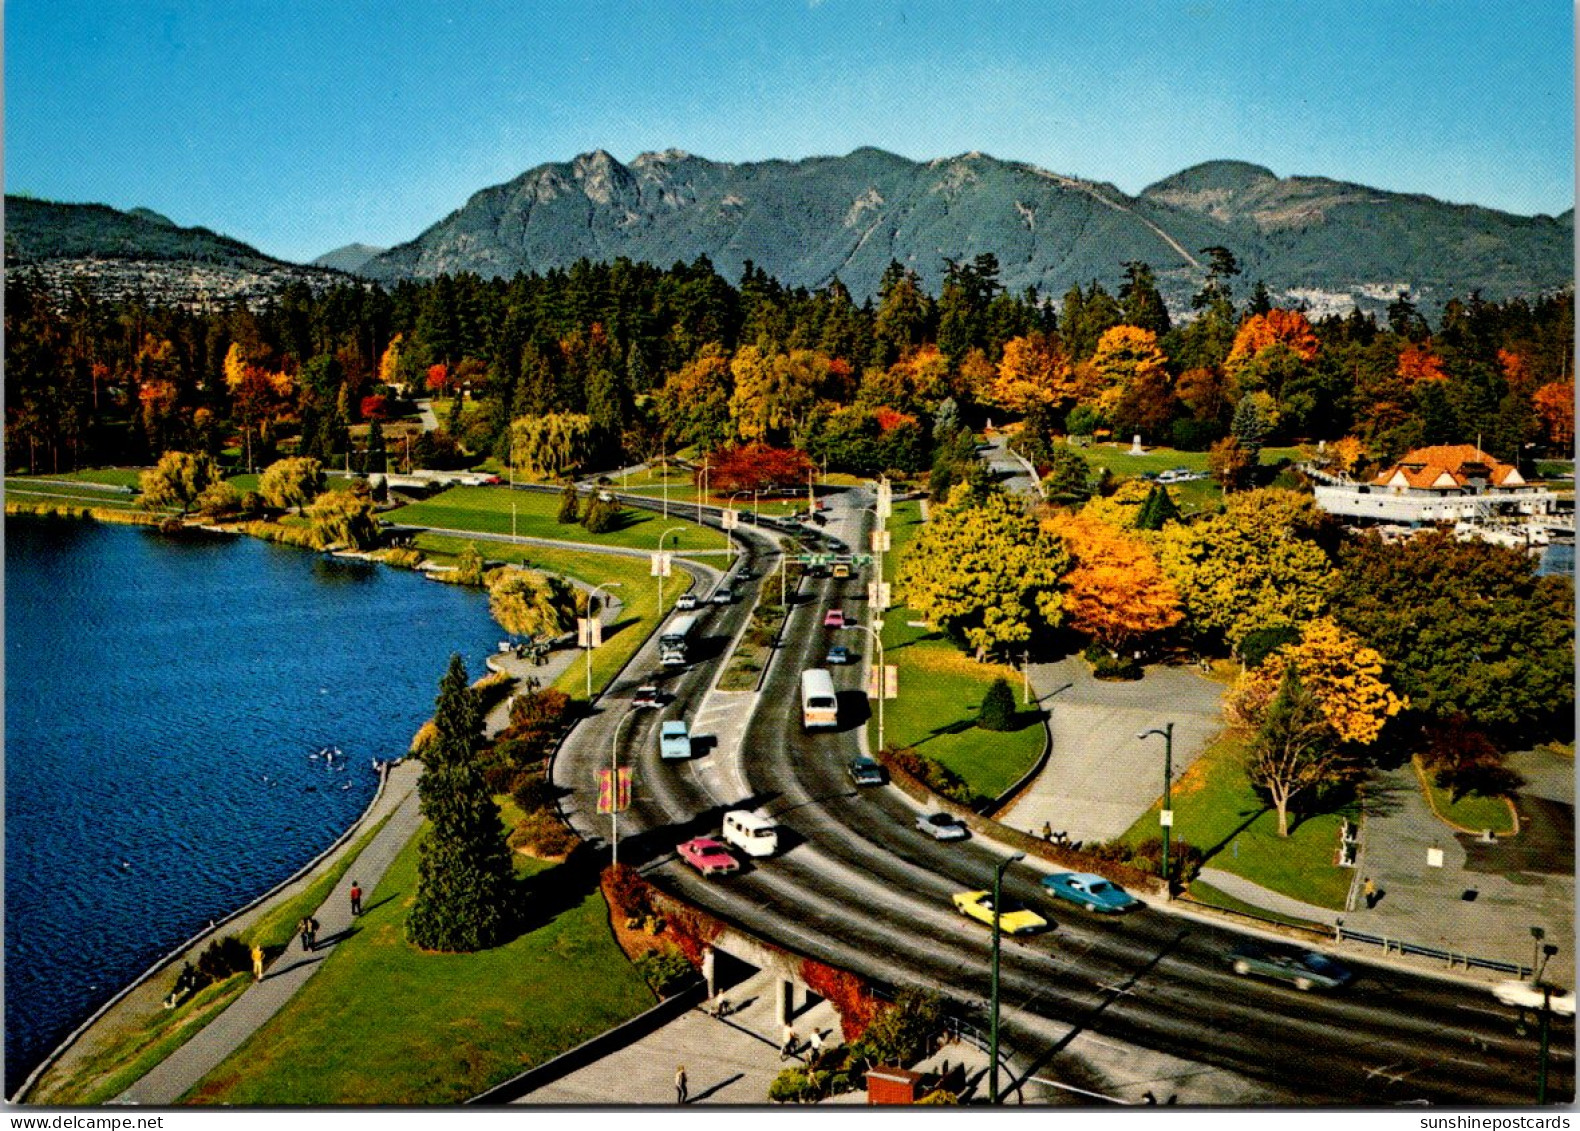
[752, 833]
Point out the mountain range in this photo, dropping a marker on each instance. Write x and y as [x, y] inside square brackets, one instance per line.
[1323, 242]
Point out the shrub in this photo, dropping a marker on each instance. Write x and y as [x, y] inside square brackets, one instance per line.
[1185, 859]
[600, 517]
[1116, 667]
[531, 790]
[1463, 760]
[1263, 642]
[998, 707]
[570, 507]
[401, 558]
[904, 1032]
[798, 1085]
[628, 893]
[939, 1097]
[931, 773]
[542, 833]
[222, 958]
[665, 970]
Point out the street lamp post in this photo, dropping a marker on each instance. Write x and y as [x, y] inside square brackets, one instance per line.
[659, 568]
[590, 614]
[883, 673]
[1166, 818]
[998, 883]
[614, 789]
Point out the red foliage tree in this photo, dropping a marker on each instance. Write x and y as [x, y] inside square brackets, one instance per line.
[847, 993]
[891, 418]
[438, 377]
[757, 467]
[376, 408]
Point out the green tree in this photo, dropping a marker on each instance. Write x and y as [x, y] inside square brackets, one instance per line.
[464, 878]
[1294, 752]
[344, 518]
[377, 456]
[601, 516]
[527, 603]
[291, 482]
[1467, 629]
[1158, 510]
[178, 480]
[1140, 301]
[1250, 426]
[985, 571]
[1259, 564]
[1069, 478]
[570, 506]
[998, 707]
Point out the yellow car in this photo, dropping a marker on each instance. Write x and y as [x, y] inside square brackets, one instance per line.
[1014, 919]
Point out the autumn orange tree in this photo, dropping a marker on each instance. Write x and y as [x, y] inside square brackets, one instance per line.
[758, 467]
[1035, 372]
[1116, 593]
[1127, 361]
[1555, 406]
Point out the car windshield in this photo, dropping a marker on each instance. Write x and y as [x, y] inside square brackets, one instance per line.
[1099, 888]
[1321, 964]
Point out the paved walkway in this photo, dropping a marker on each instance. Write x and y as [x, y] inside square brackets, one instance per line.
[1258, 896]
[1100, 777]
[1485, 898]
[728, 1061]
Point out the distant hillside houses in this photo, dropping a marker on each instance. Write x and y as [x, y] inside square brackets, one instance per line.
[1444, 483]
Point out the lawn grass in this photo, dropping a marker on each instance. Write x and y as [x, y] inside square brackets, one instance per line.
[385, 1023]
[131, 1053]
[1470, 811]
[941, 690]
[636, 590]
[109, 476]
[487, 510]
[649, 482]
[1216, 809]
[1117, 459]
[26, 490]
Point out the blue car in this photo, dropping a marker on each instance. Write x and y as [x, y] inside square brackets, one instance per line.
[674, 739]
[839, 654]
[1092, 892]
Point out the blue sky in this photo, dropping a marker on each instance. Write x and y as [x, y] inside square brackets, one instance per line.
[299, 127]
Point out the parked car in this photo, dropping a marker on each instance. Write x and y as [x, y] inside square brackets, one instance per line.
[1303, 969]
[1092, 892]
[865, 771]
[648, 696]
[723, 595]
[674, 739]
[839, 654]
[686, 601]
[942, 826]
[1013, 919]
[1529, 995]
[708, 856]
[834, 618]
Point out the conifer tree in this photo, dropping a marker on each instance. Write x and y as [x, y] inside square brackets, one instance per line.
[998, 707]
[1158, 509]
[570, 507]
[463, 864]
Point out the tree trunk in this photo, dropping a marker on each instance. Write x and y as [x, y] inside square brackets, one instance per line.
[1281, 803]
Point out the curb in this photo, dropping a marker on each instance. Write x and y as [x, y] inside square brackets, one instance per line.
[1514, 814]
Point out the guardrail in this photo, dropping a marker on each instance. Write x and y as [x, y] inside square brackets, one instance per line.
[1451, 958]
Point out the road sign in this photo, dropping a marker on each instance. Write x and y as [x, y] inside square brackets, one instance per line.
[589, 632]
[622, 800]
[730, 519]
[882, 541]
[659, 565]
[1166, 818]
[878, 594]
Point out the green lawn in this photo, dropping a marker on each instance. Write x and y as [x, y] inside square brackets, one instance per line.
[112, 476]
[1117, 458]
[636, 589]
[248, 481]
[33, 491]
[1216, 809]
[385, 1023]
[650, 482]
[1203, 892]
[1469, 812]
[487, 510]
[941, 690]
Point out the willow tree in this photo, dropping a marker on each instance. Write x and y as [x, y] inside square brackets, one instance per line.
[178, 480]
[463, 863]
[292, 482]
[553, 444]
[528, 603]
[344, 518]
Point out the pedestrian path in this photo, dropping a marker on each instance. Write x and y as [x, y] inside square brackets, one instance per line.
[1258, 896]
[728, 1060]
[179, 1073]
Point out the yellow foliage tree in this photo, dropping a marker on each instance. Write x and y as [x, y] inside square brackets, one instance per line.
[1035, 371]
[1288, 328]
[389, 364]
[1116, 593]
[1342, 674]
[1126, 356]
[1119, 510]
[528, 603]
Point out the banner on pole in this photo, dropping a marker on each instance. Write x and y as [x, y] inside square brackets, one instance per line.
[731, 518]
[878, 594]
[881, 541]
[614, 790]
[660, 564]
[589, 632]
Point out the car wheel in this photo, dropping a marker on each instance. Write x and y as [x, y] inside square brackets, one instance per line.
[1242, 968]
[1091, 907]
[1302, 983]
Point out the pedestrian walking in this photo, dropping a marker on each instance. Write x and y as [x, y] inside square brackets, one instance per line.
[1369, 890]
[306, 933]
[356, 899]
[788, 1043]
[257, 963]
[1047, 831]
[312, 933]
[814, 1043]
[680, 1084]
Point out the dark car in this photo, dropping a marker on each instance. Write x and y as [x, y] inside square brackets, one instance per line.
[839, 654]
[1303, 969]
[865, 771]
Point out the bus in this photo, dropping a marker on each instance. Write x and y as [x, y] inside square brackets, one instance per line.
[675, 640]
[819, 703]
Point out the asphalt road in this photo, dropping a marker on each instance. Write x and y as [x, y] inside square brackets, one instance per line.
[1115, 1007]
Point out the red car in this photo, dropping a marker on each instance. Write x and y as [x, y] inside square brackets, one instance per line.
[708, 856]
[834, 618]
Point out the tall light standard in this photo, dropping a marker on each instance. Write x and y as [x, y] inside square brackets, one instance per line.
[1165, 818]
[614, 788]
[658, 567]
[589, 629]
[883, 672]
[998, 883]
